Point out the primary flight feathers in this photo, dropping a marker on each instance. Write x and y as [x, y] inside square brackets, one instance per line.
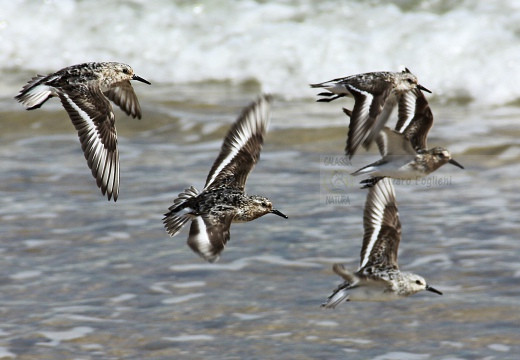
[223, 200]
[84, 91]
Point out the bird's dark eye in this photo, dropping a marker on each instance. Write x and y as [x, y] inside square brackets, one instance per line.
[125, 71]
[264, 204]
[418, 282]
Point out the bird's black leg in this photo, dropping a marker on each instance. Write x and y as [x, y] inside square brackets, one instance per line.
[330, 97]
[368, 183]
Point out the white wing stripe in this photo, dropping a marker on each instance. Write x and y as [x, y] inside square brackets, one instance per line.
[201, 240]
[370, 245]
[237, 145]
[365, 104]
[80, 111]
[369, 97]
[250, 126]
[410, 105]
[102, 168]
[377, 211]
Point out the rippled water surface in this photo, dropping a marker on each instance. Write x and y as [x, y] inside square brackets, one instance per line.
[85, 278]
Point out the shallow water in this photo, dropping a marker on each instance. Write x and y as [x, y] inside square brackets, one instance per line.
[85, 278]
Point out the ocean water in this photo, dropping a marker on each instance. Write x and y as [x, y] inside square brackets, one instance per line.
[463, 50]
[84, 278]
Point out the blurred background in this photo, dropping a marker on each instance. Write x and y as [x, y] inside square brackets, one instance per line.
[85, 278]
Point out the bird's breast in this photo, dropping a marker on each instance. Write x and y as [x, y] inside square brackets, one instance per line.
[372, 293]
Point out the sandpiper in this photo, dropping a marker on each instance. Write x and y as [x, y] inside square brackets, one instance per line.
[223, 200]
[375, 95]
[378, 277]
[404, 150]
[84, 91]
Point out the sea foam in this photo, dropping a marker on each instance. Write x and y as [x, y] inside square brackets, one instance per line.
[461, 50]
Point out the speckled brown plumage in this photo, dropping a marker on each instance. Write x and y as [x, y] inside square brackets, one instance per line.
[223, 199]
[84, 91]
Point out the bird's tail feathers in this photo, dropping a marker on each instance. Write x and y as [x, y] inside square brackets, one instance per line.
[341, 293]
[33, 94]
[337, 297]
[184, 196]
[179, 214]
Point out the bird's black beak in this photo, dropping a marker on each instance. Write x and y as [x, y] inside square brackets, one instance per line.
[420, 87]
[138, 78]
[433, 290]
[453, 162]
[276, 212]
